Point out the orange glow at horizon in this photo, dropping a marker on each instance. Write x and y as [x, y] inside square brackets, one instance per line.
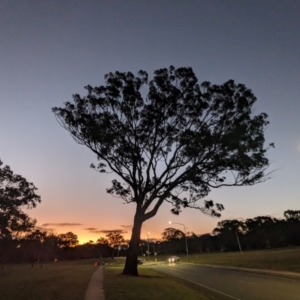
[89, 225]
[85, 237]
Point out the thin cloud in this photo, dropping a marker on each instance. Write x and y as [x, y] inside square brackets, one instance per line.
[127, 227]
[60, 224]
[43, 229]
[104, 231]
[121, 231]
[91, 229]
[96, 231]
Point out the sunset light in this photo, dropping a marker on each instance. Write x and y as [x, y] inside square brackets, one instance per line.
[124, 124]
[133, 133]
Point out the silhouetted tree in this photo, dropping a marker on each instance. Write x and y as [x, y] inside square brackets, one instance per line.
[51, 246]
[208, 243]
[67, 240]
[292, 218]
[194, 243]
[16, 193]
[176, 237]
[259, 232]
[227, 231]
[171, 234]
[292, 215]
[102, 241]
[115, 239]
[174, 145]
[33, 245]
[103, 247]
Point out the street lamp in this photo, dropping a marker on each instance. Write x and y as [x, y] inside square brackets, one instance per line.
[186, 244]
[148, 243]
[237, 237]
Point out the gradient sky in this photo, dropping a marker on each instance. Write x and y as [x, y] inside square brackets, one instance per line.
[50, 50]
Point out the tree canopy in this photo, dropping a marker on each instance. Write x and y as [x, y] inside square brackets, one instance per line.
[115, 239]
[169, 139]
[172, 234]
[16, 193]
[67, 240]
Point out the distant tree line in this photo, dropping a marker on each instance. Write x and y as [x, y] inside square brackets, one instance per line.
[21, 241]
[262, 232]
[38, 247]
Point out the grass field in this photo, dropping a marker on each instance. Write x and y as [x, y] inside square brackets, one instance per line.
[57, 281]
[279, 259]
[148, 286]
[69, 279]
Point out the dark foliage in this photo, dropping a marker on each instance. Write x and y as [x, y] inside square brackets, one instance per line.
[16, 193]
[261, 232]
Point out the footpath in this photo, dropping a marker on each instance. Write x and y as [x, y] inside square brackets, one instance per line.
[95, 289]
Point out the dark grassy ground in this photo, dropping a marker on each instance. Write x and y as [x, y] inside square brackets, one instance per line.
[57, 281]
[69, 280]
[148, 286]
[279, 259]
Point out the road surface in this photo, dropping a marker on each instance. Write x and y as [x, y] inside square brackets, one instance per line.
[231, 284]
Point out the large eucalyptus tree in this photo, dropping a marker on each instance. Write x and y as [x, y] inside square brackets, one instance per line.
[169, 139]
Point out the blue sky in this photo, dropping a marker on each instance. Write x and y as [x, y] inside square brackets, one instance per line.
[50, 50]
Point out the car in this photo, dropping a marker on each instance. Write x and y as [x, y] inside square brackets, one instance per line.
[173, 259]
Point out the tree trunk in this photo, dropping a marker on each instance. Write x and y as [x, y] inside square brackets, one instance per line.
[133, 250]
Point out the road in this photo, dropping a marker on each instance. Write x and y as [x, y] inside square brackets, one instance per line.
[230, 284]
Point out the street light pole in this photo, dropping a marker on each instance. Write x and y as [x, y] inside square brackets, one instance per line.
[186, 244]
[238, 242]
[148, 243]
